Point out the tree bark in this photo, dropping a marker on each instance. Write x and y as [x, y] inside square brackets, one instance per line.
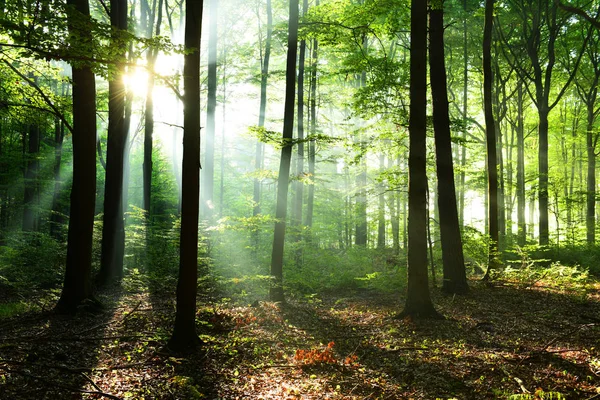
[77, 284]
[521, 222]
[184, 333]
[113, 228]
[455, 278]
[492, 172]
[418, 301]
[276, 291]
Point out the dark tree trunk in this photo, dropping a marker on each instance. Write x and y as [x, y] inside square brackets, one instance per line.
[490, 127]
[455, 278]
[590, 217]
[418, 301]
[521, 223]
[184, 333]
[276, 292]
[113, 228]
[208, 166]
[77, 285]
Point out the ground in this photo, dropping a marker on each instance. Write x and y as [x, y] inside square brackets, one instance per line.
[500, 340]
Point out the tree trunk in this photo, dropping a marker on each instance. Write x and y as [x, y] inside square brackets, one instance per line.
[418, 301]
[57, 219]
[258, 157]
[276, 291]
[310, 203]
[299, 183]
[77, 285]
[381, 207]
[113, 229]
[590, 216]
[184, 332]
[465, 110]
[208, 166]
[455, 278]
[492, 172]
[521, 223]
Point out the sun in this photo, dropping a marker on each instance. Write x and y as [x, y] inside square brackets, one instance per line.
[137, 81]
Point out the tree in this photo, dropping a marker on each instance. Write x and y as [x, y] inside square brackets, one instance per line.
[299, 182]
[147, 26]
[490, 135]
[77, 284]
[418, 301]
[184, 333]
[455, 277]
[310, 202]
[113, 228]
[276, 291]
[541, 28]
[586, 83]
[264, 78]
[208, 166]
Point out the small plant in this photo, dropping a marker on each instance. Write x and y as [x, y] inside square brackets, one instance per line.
[539, 394]
[316, 356]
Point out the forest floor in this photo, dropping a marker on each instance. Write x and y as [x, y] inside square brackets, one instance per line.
[498, 341]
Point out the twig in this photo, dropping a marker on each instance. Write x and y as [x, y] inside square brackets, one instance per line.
[90, 380]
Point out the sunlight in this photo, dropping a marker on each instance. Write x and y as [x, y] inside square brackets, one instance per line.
[136, 81]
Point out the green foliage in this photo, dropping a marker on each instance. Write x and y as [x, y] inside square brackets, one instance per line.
[539, 394]
[32, 260]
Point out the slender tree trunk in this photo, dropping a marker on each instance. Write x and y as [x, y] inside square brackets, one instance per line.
[492, 172]
[381, 208]
[57, 218]
[276, 292]
[258, 157]
[455, 278]
[208, 166]
[147, 26]
[310, 204]
[418, 301]
[299, 183]
[184, 333]
[465, 110]
[521, 223]
[77, 285]
[590, 216]
[113, 229]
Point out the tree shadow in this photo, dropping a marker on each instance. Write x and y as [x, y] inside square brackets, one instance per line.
[48, 355]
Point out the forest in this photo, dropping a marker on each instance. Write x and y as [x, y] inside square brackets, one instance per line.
[324, 199]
